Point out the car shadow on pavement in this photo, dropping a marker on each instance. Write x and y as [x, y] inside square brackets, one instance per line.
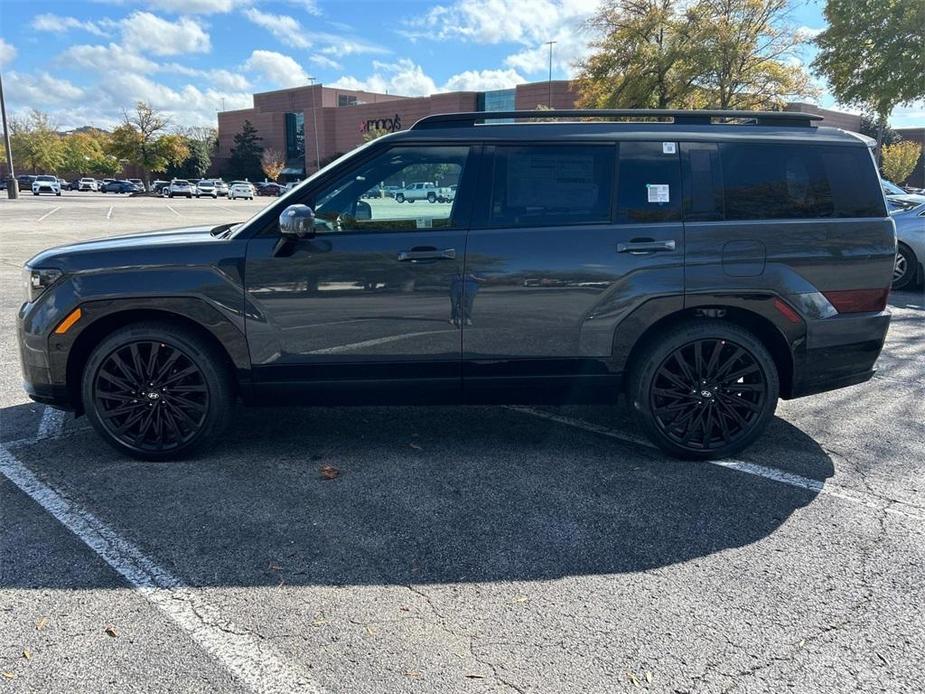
[421, 495]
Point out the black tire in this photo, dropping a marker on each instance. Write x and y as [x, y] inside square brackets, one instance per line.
[680, 383]
[905, 268]
[431, 198]
[400, 197]
[186, 380]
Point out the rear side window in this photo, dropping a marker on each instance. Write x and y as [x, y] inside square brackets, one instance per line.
[648, 183]
[551, 185]
[788, 181]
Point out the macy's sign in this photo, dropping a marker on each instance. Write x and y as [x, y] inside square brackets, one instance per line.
[387, 124]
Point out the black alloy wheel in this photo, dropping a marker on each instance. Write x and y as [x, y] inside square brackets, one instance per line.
[706, 390]
[156, 392]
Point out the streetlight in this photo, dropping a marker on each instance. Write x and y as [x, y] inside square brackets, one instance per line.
[311, 81]
[549, 98]
[12, 186]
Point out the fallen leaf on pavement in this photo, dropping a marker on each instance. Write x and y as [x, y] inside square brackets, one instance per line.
[41, 624]
[370, 631]
[329, 472]
[413, 673]
[27, 654]
[648, 677]
[633, 679]
[111, 630]
[8, 675]
[520, 598]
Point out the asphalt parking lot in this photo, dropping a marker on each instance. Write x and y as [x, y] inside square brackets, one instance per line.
[479, 549]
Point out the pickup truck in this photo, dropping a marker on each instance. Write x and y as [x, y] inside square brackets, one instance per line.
[425, 191]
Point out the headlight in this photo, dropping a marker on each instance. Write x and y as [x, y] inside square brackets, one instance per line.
[37, 281]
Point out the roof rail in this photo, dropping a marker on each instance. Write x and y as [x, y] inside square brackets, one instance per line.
[678, 117]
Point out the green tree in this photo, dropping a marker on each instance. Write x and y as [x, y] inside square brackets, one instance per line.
[373, 134]
[142, 139]
[245, 155]
[870, 126]
[872, 54]
[83, 152]
[36, 143]
[702, 54]
[899, 160]
[197, 164]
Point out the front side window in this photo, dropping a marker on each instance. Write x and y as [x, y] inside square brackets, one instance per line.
[551, 185]
[404, 188]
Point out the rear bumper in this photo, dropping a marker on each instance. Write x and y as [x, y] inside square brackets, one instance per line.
[839, 352]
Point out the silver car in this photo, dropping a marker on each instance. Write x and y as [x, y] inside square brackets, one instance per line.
[909, 270]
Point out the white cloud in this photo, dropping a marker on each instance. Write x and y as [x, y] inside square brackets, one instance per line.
[286, 29]
[144, 31]
[60, 25]
[805, 33]
[401, 77]
[324, 61]
[39, 90]
[107, 57]
[530, 23]
[482, 80]
[281, 70]
[7, 52]
[192, 6]
[308, 6]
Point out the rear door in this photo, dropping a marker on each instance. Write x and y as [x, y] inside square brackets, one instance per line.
[570, 239]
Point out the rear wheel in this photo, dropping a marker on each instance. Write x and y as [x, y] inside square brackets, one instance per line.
[904, 268]
[400, 198]
[431, 197]
[157, 391]
[704, 390]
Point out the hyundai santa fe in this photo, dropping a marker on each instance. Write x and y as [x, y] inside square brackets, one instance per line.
[704, 264]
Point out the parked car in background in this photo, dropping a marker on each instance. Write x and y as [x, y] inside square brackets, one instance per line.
[241, 189]
[118, 187]
[418, 191]
[46, 184]
[206, 188]
[909, 270]
[273, 190]
[25, 181]
[180, 186]
[220, 187]
[139, 184]
[86, 183]
[158, 186]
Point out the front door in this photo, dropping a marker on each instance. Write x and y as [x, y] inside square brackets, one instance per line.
[574, 238]
[366, 305]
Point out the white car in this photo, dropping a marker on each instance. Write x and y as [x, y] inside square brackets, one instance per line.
[90, 184]
[180, 186]
[424, 190]
[241, 190]
[206, 187]
[46, 184]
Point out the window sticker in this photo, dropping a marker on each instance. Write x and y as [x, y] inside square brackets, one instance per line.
[424, 223]
[658, 192]
[547, 180]
[669, 148]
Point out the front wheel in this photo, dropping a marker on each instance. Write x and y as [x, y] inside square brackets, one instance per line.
[399, 198]
[703, 390]
[157, 391]
[431, 198]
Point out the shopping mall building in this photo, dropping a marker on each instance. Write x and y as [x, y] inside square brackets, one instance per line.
[315, 124]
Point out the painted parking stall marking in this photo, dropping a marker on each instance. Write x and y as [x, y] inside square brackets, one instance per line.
[48, 214]
[174, 211]
[866, 499]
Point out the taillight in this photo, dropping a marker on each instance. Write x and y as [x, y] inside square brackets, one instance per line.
[858, 300]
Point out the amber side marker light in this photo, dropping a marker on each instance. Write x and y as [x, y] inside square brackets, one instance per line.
[66, 324]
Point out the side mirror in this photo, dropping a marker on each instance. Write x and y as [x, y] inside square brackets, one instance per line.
[364, 211]
[297, 222]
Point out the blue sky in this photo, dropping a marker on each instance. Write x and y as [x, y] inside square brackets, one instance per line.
[84, 61]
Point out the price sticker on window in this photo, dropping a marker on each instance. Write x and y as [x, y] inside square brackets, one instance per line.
[658, 192]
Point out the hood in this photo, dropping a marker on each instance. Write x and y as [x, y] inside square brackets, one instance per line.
[899, 203]
[148, 240]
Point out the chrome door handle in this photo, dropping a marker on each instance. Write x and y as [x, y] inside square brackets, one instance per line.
[430, 254]
[640, 247]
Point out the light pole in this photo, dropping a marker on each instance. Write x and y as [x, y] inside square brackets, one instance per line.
[311, 81]
[12, 186]
[549, 98]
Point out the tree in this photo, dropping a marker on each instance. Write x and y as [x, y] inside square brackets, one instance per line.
[373, 134]
[36, 142]
[642, 57]
[698, 54]
[245, 155]
[871, 54]
[870, 126]
[142, 139]
[272, 163]
[899, 160]
[197, 163]
[85, 153]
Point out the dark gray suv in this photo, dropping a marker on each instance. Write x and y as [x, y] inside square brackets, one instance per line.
[703, 263]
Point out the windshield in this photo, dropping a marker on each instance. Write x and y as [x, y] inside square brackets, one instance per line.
[293, 192]
[891, 188]
[46, 178]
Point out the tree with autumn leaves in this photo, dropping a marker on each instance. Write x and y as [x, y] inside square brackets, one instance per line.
[143, 139]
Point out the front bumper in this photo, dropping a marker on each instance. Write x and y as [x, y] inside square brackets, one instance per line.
[839, 351]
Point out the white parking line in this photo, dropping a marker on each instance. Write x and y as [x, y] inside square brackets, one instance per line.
[109, 214]
[48, 214]
[174, 211]
[51, 424]
[252, 662]
[879, 503]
